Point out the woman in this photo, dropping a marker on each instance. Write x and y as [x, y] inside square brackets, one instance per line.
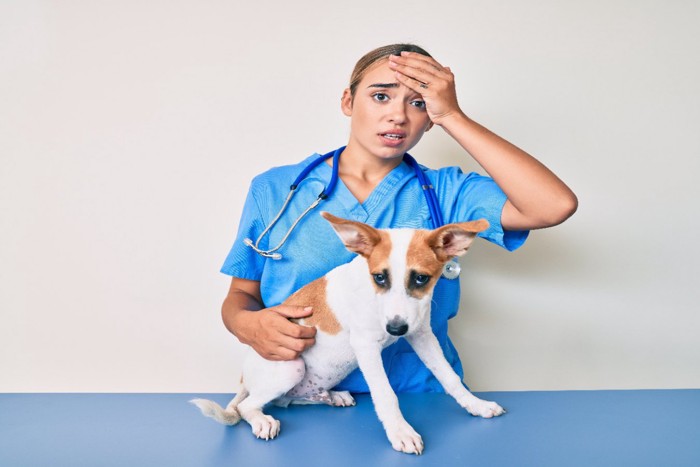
[396, 94]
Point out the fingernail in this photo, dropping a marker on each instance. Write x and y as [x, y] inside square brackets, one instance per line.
[308, 308]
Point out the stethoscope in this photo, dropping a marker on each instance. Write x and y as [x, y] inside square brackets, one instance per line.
[451, 270]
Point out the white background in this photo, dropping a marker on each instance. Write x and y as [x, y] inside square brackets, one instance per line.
[130, 130]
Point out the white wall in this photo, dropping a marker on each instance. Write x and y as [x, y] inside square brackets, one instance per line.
[129, 131]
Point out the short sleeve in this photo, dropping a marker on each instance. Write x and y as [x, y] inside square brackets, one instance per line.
[242, 261]
[473, 196]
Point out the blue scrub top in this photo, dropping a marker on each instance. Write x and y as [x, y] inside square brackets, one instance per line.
[313, 248]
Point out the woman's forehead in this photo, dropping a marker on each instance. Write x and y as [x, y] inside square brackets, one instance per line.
[378, 72]
[380, 76]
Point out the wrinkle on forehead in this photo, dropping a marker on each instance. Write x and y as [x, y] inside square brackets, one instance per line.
[385, 78]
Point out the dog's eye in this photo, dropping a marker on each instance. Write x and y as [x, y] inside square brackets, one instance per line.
[421, 279]
[380, 279]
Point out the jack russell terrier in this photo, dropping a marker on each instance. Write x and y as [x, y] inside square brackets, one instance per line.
[360, 308]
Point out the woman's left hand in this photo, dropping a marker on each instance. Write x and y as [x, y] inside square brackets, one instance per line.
[434, 82]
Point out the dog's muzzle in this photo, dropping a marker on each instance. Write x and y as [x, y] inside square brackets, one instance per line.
[397, 327]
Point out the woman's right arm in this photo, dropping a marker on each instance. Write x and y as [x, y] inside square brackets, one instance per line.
[267, 330]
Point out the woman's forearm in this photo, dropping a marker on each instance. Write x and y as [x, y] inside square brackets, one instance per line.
[268, 331]
[238, 314]
[537, 197]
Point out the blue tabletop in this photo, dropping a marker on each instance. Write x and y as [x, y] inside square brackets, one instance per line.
[567, 428]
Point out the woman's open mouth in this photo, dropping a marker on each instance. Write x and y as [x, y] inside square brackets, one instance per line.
[393, 138]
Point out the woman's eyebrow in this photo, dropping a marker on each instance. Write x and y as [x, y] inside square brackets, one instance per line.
[383, 85]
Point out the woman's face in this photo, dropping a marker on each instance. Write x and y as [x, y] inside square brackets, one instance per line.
[387, 118]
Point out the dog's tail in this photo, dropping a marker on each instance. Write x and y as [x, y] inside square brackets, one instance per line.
[227, 416]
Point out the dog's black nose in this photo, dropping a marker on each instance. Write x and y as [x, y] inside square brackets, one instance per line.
[397, 327]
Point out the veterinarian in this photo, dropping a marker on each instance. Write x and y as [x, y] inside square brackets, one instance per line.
[396, 94]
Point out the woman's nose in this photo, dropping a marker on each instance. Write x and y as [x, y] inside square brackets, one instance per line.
[397, 112]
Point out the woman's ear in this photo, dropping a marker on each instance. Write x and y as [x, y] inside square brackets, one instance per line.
[346, 103]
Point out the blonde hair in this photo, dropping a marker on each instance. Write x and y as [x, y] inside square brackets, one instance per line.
[372, 57]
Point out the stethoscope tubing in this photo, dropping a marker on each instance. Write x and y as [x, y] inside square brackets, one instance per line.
[451, 271]
[428, 190]
[327, 190]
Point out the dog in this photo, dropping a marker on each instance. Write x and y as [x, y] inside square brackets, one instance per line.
[360, 308]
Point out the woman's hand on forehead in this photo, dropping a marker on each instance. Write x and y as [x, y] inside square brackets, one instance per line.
[434, 82]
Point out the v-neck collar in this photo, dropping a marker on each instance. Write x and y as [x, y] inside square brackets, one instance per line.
[362, 211]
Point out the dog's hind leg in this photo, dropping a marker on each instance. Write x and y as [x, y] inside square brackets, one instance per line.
[263, 426]
[267, 381]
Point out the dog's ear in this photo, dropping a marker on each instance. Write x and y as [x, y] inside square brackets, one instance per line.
[357, 237]
[454, 239]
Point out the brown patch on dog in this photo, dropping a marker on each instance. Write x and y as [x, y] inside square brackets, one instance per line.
[421, 258]
[378, 260]
[314, 295]
[373, 244]
[429, 250]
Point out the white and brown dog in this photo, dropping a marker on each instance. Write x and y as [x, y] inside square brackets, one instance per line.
[359, 308]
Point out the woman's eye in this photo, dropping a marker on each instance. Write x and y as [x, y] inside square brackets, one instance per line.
[380, 279]
[380, 97]
[418, 104]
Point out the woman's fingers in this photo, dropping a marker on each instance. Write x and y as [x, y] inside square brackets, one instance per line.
[281, 339]
[413, 84]
[431, 80]
[415, 80]
[420, 68]
[424, 75]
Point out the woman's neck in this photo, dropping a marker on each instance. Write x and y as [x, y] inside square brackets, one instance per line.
[361, 171]
[357, 162]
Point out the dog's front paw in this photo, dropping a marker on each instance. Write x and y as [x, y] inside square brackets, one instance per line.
[404, 438]
[265, 427]
[485, 409]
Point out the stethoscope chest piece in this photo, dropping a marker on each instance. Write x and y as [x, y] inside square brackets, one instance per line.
[451, 269]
